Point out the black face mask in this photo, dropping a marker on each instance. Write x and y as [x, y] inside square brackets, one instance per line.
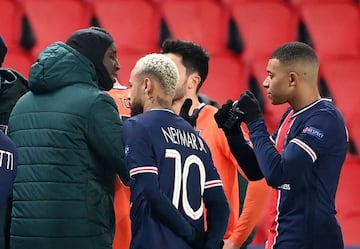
[93, 43]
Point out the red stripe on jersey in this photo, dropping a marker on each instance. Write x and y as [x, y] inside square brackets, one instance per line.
[213, 183]
[273, 213]
[140, 170]
[305, 147]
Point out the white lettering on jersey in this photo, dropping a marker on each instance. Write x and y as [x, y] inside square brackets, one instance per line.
[184, 138]
[6, 159]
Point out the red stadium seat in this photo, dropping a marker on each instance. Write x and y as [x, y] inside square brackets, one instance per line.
[55, 20]
[229, 3]
[348, 200]
[204, 22]
[353, 124]
[10, 22]
[19, 60]
[299, 3]
[227, 78]
[344, 86]
[333, 28]
[263, 26]
[134, 25]
[127, 61]
[342, 83]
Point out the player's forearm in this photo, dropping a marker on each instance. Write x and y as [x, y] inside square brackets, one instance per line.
[170, 216]
[245, 157]
[255, 204]
[217, 216]
[277, 168]
[164, 210]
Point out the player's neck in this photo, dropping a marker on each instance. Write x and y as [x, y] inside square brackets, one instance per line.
[158, 102]
[305, 100]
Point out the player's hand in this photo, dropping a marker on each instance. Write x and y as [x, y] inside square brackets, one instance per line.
[184, 112]
[229, 118]
[249, 105]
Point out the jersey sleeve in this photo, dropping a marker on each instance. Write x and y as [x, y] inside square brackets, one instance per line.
[138, 149]
[212, 176]
[317, 136]
[216, 205]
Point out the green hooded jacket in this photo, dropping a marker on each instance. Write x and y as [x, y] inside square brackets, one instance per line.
[68, 134]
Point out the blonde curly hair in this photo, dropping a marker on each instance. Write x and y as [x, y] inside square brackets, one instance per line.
[160, 67]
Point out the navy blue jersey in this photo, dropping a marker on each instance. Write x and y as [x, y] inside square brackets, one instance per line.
[8, 162]
[306, 174]
[164, 145]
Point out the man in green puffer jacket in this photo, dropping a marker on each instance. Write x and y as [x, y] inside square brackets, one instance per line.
[12, 86]
[68, 134]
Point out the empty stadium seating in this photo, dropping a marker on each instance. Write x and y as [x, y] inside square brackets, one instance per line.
[54, 20]
[343, 87]
[299, 3]
[333, 28]
[348, 201]
[263, 26]
[10, 22]
[20, 60]
[134, 25]
[127, 62]
[204, 22]
[227, 78]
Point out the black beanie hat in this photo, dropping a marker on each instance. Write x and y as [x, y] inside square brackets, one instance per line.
[3, 50]
[93, 43]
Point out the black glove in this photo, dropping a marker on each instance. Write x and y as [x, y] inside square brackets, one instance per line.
[229, 118]
[184, 112]
[249, 105]
[198, 240]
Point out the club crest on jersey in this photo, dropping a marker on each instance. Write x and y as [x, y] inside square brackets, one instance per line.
[285, 186]
[312, 131]
[127, 150]
[197, 131]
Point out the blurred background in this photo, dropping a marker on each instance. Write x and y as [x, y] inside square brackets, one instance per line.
[239, 36]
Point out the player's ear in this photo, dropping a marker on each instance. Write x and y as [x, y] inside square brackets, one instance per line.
[293, 78]
[147, 85]
[194, 80]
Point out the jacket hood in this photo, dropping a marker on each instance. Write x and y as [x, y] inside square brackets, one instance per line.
[93, 43]
[60, 65]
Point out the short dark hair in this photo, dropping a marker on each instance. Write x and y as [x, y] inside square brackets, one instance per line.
[194, 57]
[293, 52]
